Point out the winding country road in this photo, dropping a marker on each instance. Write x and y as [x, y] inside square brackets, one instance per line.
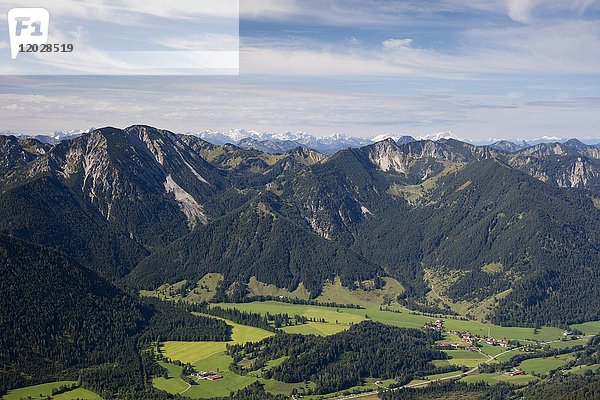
[458, 375]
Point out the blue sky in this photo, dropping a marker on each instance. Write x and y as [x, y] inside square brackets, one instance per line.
[481, 69]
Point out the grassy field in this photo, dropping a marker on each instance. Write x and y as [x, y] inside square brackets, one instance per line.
[209, 356]
[441, 376]
[498, 377]
[581, 369]
[404, 318]
[589, 328]
[258, 288]
[45, 390]
[204, 290]
[542, 366]
[191, 352]
[172, 384]
[336, 319]
[569, 343]
[462, 358]
[336, 293]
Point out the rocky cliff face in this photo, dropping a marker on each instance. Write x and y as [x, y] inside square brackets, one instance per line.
[569, 171]
[135, 175]
[390, 157]
[18, 152]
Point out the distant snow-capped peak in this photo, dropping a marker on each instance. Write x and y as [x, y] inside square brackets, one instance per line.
[440, 135]
[384, 136]
[51, 138]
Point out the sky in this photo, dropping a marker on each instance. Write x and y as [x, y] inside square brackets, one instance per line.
[482, 69]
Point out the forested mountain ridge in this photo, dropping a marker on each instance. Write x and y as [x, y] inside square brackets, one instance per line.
[254, 240]
[57, 317]
[170, 207]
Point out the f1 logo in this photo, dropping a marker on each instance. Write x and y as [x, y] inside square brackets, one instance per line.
[27, 26]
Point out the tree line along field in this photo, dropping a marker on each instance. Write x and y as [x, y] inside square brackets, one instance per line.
[211, 356]
[45, 391]
[400, 317]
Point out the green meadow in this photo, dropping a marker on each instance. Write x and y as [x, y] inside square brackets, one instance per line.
[211, 356]
[497, 377]
[45, 391]
[341, 318]
[325, 321]
[542, 366]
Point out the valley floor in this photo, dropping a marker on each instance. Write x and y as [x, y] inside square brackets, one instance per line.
[211, 356]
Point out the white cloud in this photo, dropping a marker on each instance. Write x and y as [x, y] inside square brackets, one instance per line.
[183, 104]
[563, 47]
[397, 43]
[520, 10]
[209, 41]
[132, 12]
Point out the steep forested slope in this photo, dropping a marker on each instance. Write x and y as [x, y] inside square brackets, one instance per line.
[57, 317]
[343, 360]
[170, 207]
[256, 240]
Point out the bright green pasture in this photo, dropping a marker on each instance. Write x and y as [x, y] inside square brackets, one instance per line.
[589, 328]
[45, 389]
[222, 387]
[443, 375]
[497, 377]
[191, 352]
[408, 320]
[173, 383]
[564, 344]
[465, 357]
[208, 356]
[77, 394]
[336, 320]
[404, 318]
[544, 365]
[316, 328]
[581, 369]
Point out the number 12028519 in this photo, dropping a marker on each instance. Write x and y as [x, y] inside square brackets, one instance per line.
[46, 48]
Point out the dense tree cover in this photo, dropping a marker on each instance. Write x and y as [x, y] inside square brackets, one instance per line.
[284, 223]
[545, 238]
[564, 387]
[451, 389]
[44, 212]
[545, 235]
[256, 240]
[289, 222]
[255, 391]
[57, 317]
[175, 322]
[343, 360]
[237, 316]
[293, 300]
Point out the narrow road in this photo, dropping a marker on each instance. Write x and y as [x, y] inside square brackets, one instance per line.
[458, 375]
[188, 388]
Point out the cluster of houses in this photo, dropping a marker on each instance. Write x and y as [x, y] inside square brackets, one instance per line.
[470, 340]
[209, 375]
[438, 325]
[516, 372]
[497, 342]
[458, 346]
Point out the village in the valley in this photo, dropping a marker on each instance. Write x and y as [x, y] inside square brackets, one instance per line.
[470, 342]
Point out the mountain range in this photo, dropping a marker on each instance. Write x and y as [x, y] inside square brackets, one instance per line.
[142, 207]
[89, 223]
[277, 143]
